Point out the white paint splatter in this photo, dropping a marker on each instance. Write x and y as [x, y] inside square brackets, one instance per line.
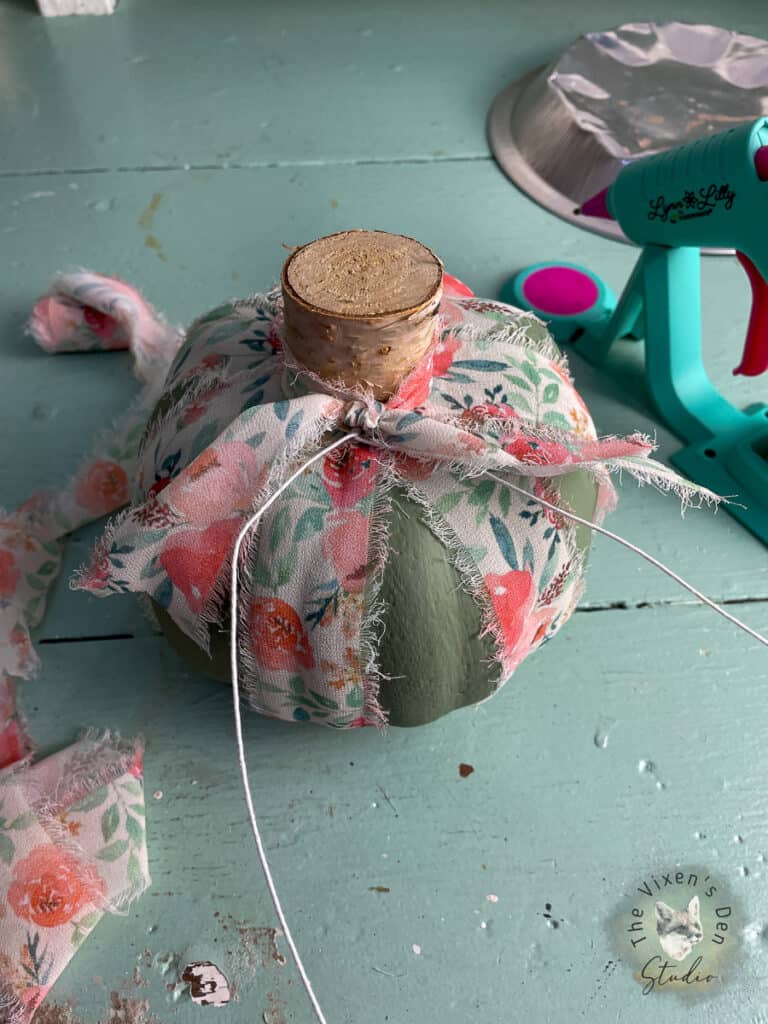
[492, 897]
[483, 924]
[416, 948]
[208, 986]
[755, 931]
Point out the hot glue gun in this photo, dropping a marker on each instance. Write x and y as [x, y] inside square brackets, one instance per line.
[711, 193]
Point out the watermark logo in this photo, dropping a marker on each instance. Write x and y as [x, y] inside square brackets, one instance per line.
[678, 932]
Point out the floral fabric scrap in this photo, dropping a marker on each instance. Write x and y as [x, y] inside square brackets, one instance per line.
[72, 846]
[72, 836]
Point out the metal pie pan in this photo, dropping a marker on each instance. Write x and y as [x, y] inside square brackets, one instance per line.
[564, 130]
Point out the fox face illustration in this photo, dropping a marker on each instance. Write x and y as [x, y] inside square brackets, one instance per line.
[678, 930]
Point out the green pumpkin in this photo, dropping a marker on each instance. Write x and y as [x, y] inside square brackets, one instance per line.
[432, 653]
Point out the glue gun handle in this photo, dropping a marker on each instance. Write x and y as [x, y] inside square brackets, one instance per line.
[755, 358]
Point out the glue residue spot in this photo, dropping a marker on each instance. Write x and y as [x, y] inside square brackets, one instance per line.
[744, 871]
[492, 897]
[738, 839]
[101, 205]
[603, 728]
[416, 948]
[158, 794]
[647, 767]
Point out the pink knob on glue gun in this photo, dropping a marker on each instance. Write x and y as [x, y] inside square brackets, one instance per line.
[761, 163]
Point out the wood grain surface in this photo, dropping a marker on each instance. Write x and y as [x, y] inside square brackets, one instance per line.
[181, 145]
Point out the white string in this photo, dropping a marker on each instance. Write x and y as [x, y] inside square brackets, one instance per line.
[233, 642]
[643, 554]
[234, 617]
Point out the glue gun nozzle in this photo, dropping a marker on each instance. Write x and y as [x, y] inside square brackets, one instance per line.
[596, 206]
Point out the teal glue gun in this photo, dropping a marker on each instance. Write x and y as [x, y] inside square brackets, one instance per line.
[712, 193]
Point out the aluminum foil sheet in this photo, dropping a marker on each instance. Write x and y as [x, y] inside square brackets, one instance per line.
[564, 131]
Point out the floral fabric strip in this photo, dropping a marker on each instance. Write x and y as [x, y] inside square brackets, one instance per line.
[72, 837]
[493, 395]
[84, 311]
[72, 846]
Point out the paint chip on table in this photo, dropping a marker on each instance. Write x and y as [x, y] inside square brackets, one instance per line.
[465, 770]
[208, 986]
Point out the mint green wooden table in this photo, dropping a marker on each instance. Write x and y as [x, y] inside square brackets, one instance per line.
[179, 145]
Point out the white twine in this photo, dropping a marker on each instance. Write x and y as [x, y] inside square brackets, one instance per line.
[643, 554]
[234, 617]
[233, 641]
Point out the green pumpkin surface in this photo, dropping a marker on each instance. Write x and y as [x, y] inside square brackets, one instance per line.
[432, 655]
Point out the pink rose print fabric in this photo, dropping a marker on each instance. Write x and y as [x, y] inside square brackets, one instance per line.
[492, 395]
[72, 847]
[72, 834]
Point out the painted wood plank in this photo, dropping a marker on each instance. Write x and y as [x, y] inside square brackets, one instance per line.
[557, 811]
[194, 82]
[220, 233]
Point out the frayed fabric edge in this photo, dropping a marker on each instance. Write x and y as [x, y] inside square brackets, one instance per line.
[372, 625]
[105, 744]
[12, 1010]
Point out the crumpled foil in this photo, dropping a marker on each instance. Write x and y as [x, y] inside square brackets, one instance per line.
[564, 131]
